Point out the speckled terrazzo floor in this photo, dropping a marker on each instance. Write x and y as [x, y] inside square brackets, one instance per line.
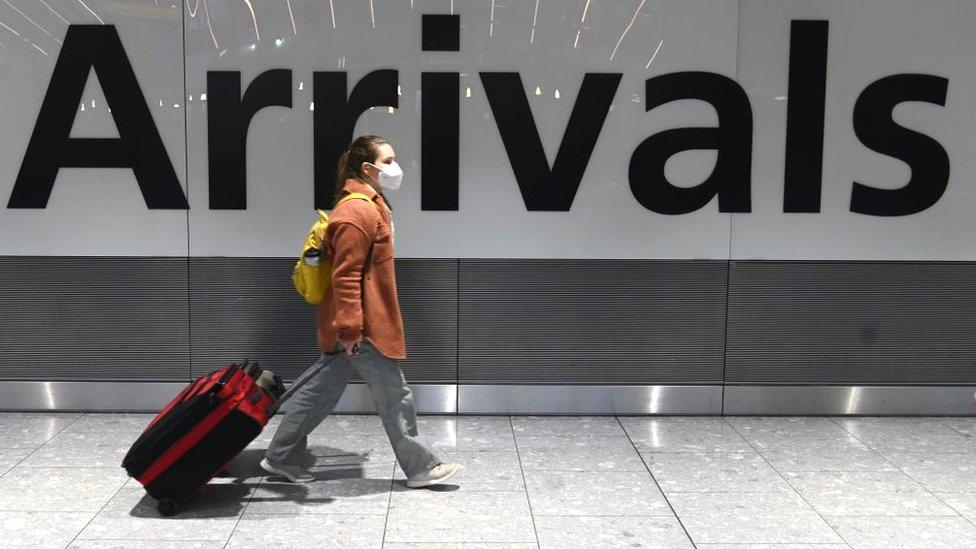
[738, 482]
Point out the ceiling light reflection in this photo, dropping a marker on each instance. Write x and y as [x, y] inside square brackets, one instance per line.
[294, 28]
[254, 19]
[91, 12]
[54, 12]
[24, 15]
[579, 29]
[2, 24]
[651, 60]
[491, 20]
[853, 400]
[51, 404]
[535, 16]
[654, 402]
[206, 10]
[631, 24]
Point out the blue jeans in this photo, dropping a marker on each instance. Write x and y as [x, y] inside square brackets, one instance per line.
[310, 405]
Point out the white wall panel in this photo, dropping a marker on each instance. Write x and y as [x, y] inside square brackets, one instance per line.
[551, 45]
[868, 40]
[91, 211]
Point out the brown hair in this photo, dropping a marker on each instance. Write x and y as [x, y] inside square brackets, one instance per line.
[364, 148]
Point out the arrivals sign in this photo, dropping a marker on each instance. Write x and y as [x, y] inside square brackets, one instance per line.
[514, 150]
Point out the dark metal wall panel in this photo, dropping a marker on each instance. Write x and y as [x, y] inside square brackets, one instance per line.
[592, 321]
[428, 292]
[553, 322]
[852, 322]
[244, 307]
[84, 318]
[247, 308]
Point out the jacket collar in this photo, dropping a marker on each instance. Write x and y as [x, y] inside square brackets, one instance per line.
[353, 185]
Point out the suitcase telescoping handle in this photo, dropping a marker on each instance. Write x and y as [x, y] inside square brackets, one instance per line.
[296, 385]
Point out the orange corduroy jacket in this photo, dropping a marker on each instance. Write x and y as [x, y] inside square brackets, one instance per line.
[362, 301]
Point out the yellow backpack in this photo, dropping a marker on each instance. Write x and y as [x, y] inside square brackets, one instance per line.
[312, 282]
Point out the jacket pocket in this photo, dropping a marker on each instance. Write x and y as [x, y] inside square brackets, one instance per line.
[382, 246]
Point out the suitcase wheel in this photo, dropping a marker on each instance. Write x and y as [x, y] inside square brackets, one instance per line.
[168, 507]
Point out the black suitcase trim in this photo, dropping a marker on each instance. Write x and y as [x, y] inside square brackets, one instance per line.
[204, 459]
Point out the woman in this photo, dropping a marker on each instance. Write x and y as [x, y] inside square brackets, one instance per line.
[359, 325]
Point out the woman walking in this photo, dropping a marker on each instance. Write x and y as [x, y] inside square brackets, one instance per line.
[359, 325]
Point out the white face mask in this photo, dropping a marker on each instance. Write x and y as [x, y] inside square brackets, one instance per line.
[391, 175]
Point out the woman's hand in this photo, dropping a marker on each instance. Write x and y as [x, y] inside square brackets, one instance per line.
[351, 347]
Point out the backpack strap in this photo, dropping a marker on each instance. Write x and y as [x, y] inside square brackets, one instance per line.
[323, 215]
[355, 196]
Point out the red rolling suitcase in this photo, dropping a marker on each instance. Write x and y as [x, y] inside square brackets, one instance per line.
[201, 430]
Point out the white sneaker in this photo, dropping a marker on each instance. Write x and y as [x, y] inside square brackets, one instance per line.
[294, 474]
[437, 475]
